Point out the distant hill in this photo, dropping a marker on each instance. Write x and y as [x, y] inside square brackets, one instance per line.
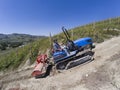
[15, 40]
[19, 37]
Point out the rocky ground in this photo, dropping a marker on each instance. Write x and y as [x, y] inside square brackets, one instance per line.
[103, 73]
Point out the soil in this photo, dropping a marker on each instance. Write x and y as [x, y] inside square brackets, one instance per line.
[103, 73]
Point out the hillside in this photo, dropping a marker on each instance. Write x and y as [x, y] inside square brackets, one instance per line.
[16, 36]
[101, 74]
[15, 40]
[99, 31]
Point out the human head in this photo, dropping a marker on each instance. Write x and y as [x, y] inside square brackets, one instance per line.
[55, 40]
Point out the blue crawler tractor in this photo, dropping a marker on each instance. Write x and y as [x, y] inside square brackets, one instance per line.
[75, 52]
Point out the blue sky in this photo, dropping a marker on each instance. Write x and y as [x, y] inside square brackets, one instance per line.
[40, 17]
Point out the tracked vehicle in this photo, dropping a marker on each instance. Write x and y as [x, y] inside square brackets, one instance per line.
[75, 52]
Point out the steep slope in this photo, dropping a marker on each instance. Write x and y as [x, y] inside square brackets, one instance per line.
[101, 74]
[13, 58]
[99, 31]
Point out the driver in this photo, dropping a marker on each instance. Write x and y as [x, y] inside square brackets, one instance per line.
[56, 46]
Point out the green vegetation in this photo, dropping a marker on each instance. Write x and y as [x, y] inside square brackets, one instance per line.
[15, 40]
[13, 58]
[99, 31]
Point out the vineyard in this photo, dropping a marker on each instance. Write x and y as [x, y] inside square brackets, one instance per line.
[99, 31]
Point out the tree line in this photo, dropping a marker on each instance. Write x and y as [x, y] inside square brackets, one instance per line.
[7, 45]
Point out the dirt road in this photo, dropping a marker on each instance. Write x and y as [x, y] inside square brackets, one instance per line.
[101, 74]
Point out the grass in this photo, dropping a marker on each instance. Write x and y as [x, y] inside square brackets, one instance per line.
[99, 31]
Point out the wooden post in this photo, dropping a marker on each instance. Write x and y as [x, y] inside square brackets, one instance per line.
[93, 25]
[118, 20]
[110, 20]
[50, 39]
[72, 34]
